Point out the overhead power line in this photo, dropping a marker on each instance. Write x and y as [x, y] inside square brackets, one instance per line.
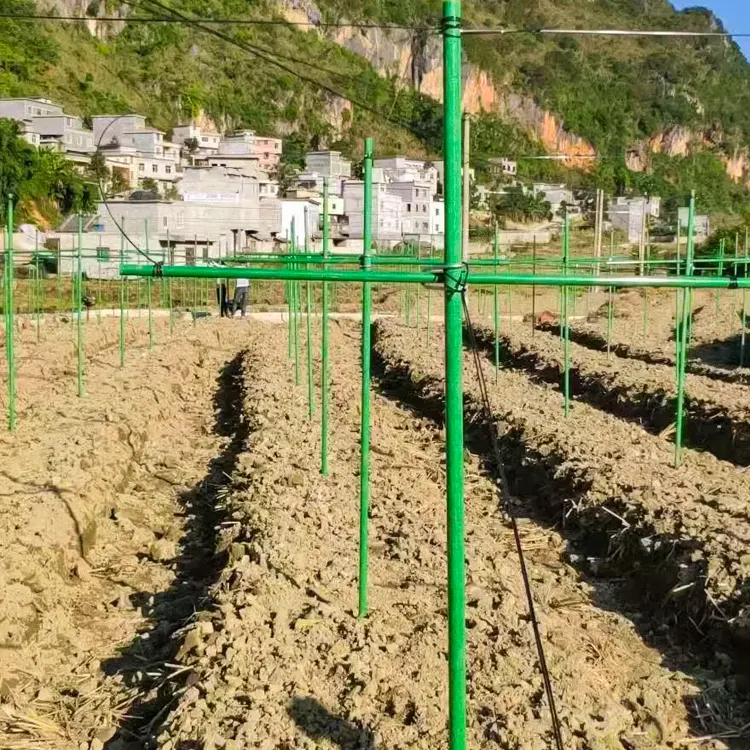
[212, 21]
[384, 26]
[605, 32]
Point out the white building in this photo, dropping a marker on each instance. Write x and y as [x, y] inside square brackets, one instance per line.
[207, 141]
[631, 215]
[387, 212]
[221, 213]
[399, 169]
[701, 224]
[264, 150]
[329, 164]
[45, 125]
[137, 151]
[300, 216]
[502, 167]
[416, 198]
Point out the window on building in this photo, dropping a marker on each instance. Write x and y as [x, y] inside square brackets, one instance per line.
[164, 221]
[168, 169]
[437, 228]
[141, 167]
[204, 139]
[437, 211]
[155, 168]
[408, 208]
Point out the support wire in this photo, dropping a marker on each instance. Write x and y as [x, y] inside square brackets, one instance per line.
[504, 490]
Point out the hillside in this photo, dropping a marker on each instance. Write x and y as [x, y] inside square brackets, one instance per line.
[664, 114]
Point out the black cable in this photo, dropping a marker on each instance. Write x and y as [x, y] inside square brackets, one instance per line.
[214, 21]
[103, 194]
[505, 496]
[272, 57]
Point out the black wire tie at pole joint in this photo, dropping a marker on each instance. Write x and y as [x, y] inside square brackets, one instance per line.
[158, 272]
[733, 283]
[454, 277]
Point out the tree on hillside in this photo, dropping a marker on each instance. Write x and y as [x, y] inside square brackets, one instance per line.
[40, 180]
[517, 205]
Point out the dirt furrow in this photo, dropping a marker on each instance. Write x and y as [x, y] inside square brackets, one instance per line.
[718, 414]
[102, 510]
[676, 540]
[591, 337]
[280, 659]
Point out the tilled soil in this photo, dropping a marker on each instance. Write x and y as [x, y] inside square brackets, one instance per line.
[718, 414]
[47, 356]
[100, 515]
[716, 334]
[677, 538]
[178, 574]
[281, 660]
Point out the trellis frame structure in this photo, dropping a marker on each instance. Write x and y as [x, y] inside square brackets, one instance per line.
[454, 276]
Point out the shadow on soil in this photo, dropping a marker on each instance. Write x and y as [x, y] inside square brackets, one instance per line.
[319, 723]
[142, 665]
[708, 428]
[632, 583]
[708, 360]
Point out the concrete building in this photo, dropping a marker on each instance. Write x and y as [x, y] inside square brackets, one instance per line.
[45, 125]
[329, 164]
[137, 151]
[221, 213]
[502, 167]
[701, 224]
[304, 215]
[399, 169]
[416, 198]
[208, 142]
[630, 215]
[387, 212]
[555, 195]
[267, 151]
[67, 135]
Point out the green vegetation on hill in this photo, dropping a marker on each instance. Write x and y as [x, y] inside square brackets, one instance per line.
[45, 186]
[617, 93]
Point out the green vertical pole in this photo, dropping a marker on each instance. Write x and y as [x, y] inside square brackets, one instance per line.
[10, 325]
[496, 308]
[58, 280]
[454, 417]
[148, 299]
[429, 314]
[324, 343]
[566, 317]
[610, 300]
[99, 284]
[533, 288]
[683, 336]
[419, 295]
[722, 251]
[123, 281]
[294, 287]
[744, 300]
[170, 260]
[645, 293]
[308, 302]
[364, 455]
[38, 290]
[79, 307]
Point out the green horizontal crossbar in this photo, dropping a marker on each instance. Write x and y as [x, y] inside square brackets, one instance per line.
[426, 277]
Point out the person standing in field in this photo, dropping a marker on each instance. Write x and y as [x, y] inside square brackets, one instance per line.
[241, 292]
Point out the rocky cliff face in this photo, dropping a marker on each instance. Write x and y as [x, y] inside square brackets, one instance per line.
[416, 59]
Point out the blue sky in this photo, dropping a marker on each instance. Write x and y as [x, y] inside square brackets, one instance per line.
[734, 13]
